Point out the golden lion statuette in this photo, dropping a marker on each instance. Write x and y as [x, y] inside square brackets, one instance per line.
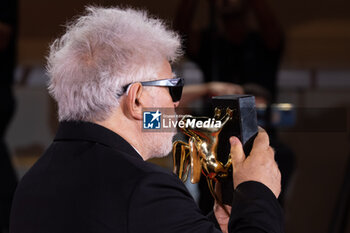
[200, 153]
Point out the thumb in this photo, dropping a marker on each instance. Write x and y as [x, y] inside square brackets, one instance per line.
[237, 153]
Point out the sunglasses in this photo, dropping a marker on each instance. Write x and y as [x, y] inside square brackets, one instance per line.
[175, 86]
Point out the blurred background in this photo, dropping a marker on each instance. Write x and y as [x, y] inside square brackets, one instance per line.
[310, 41]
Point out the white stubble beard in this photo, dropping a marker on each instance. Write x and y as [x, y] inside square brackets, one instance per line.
[159, 144]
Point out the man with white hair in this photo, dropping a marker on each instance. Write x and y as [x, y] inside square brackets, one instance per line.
[110, 65]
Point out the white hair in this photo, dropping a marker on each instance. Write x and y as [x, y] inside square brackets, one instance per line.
[102, 51]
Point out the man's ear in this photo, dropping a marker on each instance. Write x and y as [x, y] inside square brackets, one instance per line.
[133, 104]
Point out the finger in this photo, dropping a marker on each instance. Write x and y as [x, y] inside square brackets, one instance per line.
[239, 89]
[237, 153]
[262, 140]
[272, 152]
[261, 129]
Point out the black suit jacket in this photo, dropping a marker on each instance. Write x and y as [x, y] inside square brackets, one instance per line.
[91, 180]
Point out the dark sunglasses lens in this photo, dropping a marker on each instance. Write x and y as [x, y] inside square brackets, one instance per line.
[175, 93]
